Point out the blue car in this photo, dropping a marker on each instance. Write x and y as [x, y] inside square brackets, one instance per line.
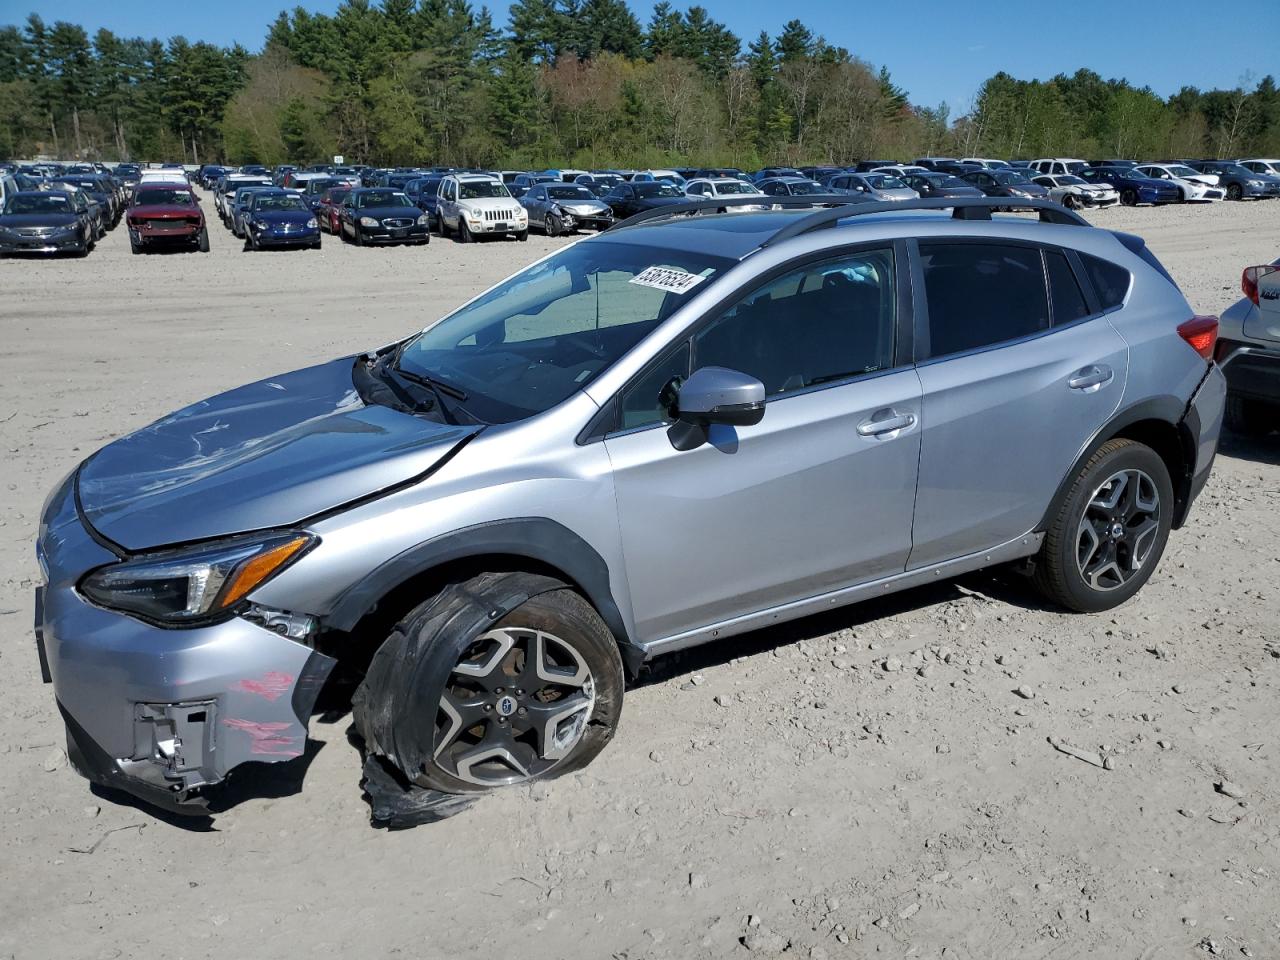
[1134, 187]
[280, 220]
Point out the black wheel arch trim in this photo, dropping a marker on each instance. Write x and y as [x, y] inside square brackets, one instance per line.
[539, 539]
[1167, 409]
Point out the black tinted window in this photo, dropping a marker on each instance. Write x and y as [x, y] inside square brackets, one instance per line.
[821, 323]
[1068, 302]
[1110, 282]
[981, 294]
[640, 401]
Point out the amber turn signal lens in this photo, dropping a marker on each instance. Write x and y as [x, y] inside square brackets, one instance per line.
[254, 571]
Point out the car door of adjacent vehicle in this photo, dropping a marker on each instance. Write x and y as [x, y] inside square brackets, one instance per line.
[1018, 373]
[816, 496]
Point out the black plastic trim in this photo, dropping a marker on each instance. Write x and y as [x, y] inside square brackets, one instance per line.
[536, 538]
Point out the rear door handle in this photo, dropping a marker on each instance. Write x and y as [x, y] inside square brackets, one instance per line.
[885, 421]
[1090, 376]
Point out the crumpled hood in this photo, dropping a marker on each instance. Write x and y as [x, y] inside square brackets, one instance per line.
[269, 454]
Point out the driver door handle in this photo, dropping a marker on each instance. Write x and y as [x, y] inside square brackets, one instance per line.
[885, 421]
[1090, 376]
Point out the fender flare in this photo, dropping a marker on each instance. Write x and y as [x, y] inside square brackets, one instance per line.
[535, 538]
[1166, 409]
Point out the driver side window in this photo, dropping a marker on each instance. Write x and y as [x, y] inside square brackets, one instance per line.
[824, 322]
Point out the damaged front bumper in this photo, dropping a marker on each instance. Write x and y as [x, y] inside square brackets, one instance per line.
[163, 713]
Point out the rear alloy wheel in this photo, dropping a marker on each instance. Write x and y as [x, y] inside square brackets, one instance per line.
[1110, 531]
[532, 695]
[1129, 198]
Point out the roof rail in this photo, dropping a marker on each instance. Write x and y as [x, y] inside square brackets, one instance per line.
[837, 207]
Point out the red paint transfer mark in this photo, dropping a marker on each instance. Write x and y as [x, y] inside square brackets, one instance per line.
[267, 737]
[273, 685]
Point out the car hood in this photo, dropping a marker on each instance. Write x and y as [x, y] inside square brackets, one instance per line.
[269, 454]
[586, 207]
[17, 221]
[382, 213]
[163, 212]
[487, 203]
[649, 203]
[283, 216]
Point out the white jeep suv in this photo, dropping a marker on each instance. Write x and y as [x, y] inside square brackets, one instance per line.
[475, 204]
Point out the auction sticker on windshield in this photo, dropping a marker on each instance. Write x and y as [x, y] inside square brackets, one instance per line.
[665, 278]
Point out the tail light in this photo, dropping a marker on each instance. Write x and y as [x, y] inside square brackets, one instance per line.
[1201, 333]
[1249, 280]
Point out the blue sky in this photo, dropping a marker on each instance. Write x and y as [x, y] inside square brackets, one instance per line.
[940, 52]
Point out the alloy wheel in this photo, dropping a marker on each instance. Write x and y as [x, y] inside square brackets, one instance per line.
[1118, 530]
[516, 703]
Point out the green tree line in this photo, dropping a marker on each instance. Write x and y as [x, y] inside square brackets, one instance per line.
[566, 82]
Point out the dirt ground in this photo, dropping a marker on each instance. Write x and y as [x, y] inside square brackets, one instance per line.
[779, 793]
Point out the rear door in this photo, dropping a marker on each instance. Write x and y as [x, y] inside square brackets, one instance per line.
[816, 496]
[1017, 376]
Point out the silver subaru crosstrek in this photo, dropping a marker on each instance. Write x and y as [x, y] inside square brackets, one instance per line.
[671, 433]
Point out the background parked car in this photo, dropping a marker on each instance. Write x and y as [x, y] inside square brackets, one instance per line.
[166, 215]
[790, 187]
[1133, 187]
[875, 186]
[1192, 184]
[1239, 181]
[280, 219]
[1072, 192]
[630, 198]
[1267, 167]
[382, 215]
[940, 185]
[708, 188]
[240, 204]
[1058, 165]
[1249, 352]
[46, 222]
[330, 207]
[557, 208]
[1005, 183]
[474, 205]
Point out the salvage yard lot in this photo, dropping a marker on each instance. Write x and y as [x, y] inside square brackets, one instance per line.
[869, 782]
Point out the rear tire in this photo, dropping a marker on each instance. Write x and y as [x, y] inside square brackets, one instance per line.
[1110, 531]
[1069, 201]
[464, 704]
[1249, 418]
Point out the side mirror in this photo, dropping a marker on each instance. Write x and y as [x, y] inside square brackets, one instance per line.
[718, 395]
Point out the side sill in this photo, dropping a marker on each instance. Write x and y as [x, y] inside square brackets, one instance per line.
[1015, 549]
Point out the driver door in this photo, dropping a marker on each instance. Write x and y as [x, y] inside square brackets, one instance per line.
[819, 494]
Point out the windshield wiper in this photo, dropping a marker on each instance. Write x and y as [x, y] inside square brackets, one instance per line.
[431, 383]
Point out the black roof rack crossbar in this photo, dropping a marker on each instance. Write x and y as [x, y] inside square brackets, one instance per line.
[836, 207]
[962, 208]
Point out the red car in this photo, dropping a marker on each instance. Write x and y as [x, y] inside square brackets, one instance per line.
[166, 215]
[327, 212]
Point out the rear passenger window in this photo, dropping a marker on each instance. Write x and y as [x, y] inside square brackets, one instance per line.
[1064, 292]
[982, 294]
[1110, 282]
[825, 322]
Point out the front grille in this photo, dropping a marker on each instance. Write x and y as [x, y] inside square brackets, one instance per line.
[397, 222]
[493, 216]
[35, 232]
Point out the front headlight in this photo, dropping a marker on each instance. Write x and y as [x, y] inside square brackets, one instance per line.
[1257, 183]
[424, 221]
[313, 223]
[196, 583]
[368, 222]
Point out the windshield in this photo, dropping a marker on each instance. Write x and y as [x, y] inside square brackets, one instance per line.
[805, 187]
[879, 182]
[279, 201]
[1178, 170]
[382, 198]
[164, 198]
[656, 189]
[244, 193]
[950, 182]
[544, 334]
[45, 203]
[569, 193]
[479, 189]
[730, 187]
[1069, 181]
[1009, 178]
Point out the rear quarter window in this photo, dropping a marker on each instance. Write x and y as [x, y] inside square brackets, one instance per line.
[1110, 281]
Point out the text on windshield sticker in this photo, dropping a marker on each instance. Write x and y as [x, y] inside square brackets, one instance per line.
[664, 278]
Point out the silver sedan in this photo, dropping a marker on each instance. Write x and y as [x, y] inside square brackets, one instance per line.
[557, 208]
